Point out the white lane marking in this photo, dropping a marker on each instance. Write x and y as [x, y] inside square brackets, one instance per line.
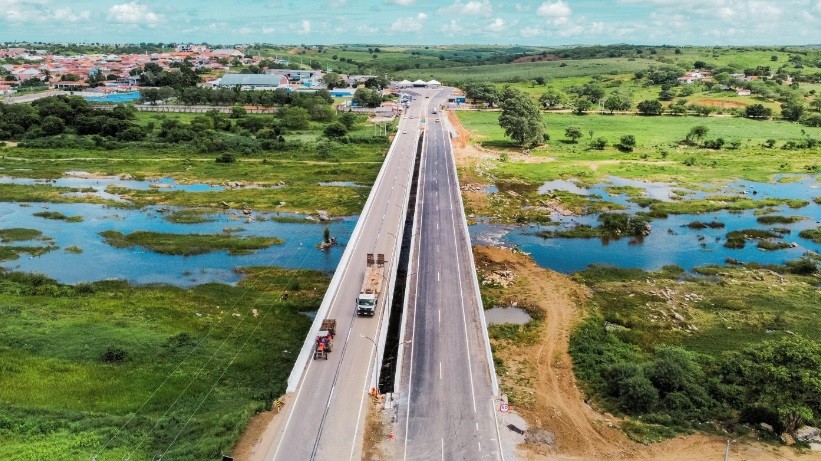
[443, 449]
[461, 292]
[437, 276]
[480, 445]
[440, 315]
[440, 370]
[421, 188]
[477, 425]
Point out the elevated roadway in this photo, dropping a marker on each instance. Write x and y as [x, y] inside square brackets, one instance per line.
[324, 416]
[447, 382]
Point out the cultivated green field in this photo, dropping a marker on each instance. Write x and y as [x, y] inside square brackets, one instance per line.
[117, 371]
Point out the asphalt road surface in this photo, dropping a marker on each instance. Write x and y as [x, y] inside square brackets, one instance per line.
[446, 407]
[324, 418]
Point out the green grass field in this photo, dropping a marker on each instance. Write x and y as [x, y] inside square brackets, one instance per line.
[296, 165]
[77, 364]
[658, 156]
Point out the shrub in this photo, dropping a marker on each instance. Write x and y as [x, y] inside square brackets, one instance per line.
[802, 266]
[336, 130]
[227, 157]
[627, 143]
[598, 143]
[637, 395]
[113, 354]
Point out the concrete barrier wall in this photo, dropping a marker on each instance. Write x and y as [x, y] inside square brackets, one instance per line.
[494, 382]
[305, 353]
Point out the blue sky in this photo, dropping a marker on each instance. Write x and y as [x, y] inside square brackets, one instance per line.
[428, 22]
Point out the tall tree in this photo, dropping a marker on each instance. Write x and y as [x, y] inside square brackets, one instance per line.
[521, 119]
[552, 98]
[617, 101]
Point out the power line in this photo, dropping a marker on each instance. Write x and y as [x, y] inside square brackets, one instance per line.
[231, 362]
[176, 369]
[200, 371]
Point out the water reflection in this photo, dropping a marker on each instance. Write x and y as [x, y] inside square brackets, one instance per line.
[672, 241]
[99, 261]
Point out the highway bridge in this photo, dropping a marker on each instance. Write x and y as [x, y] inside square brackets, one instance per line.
[446, 381]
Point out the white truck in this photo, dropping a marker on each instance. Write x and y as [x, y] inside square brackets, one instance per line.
[368, 298]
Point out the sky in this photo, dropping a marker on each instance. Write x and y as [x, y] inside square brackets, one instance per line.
[416, 22]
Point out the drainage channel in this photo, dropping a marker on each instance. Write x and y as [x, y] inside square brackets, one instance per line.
[387, 372]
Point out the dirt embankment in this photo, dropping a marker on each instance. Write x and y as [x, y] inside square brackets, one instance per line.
[540, 375]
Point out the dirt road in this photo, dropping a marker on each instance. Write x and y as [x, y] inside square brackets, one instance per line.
[540, 376]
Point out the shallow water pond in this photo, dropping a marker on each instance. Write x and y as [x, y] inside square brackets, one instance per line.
[500, 315]
[98, 260]
[671, 240]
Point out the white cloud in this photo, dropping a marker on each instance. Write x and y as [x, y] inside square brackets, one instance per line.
[401, 2]
[304, 27]
[67, 15]
[529, 31]
[337, 3]
[367, 30]
[558, 9]
[133, 13]
[410, 24]
[497, 25]
[470, 8]
[38, 11]
[453, 27]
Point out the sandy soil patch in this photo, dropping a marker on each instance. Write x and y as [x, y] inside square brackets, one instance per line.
[463, 148]
[544, 372]
[721, 103]
[260, 433]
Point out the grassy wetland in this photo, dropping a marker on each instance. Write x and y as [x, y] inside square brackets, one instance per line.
[116, 370]
[173, 370]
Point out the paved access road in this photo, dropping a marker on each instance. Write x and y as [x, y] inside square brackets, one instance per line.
[324, 418]
[446, 407]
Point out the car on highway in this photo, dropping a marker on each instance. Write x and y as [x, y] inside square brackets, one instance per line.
[404, 131]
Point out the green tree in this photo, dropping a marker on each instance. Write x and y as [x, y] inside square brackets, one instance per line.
[52, 125]
[627, 143]
[758, 111]
[696, 133]
[573, 132]
[552, 98]
[599, 143]
[792, 110]
[637, 395]
[617, 101]
[367, 98]
[667, 93]
[238, 111]
[522, 120]
[783, 376]
[295, 118]
[483, 92]
[348, 119]
[582, 105]
[336, 130]
[333, 80]
[650, 107]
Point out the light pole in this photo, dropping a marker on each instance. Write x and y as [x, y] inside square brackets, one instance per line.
[375, 361]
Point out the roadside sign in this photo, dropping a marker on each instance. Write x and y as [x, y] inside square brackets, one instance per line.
[504, 407]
